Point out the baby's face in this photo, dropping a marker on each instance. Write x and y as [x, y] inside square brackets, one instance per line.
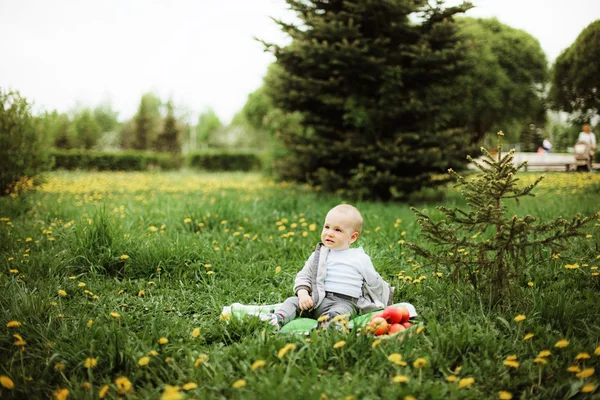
[338, 231]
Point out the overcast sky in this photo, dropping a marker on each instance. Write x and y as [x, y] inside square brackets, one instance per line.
[201, 53]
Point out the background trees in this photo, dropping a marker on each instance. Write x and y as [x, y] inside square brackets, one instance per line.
[372, 89]
[575, 80]
[21, 154]
[503, 86]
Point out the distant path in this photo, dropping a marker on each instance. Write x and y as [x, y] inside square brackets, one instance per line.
[546, 161]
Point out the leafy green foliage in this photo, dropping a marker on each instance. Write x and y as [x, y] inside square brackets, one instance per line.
[503, 82]
[485, 244]
[113, 161]
[146, 122]
[575, 81]
[87, 130]
[207, 129]
[22, 154]
[371, 88]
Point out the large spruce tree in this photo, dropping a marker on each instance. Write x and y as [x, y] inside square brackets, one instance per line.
[372, 80]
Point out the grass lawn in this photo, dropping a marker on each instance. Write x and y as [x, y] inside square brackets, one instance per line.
[112, 285]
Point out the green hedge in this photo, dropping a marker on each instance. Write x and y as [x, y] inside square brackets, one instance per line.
[210, 160]
[121, 161]
[225, 160]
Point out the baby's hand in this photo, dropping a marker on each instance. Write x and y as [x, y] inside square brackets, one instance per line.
[305, 300]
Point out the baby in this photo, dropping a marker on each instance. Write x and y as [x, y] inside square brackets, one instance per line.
[336, 279]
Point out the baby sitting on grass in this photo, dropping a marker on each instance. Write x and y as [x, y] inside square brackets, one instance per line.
[336, 279]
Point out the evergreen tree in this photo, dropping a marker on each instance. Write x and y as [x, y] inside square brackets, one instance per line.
[143, 126]
[483, 243]
[169, 139]
[371, 87]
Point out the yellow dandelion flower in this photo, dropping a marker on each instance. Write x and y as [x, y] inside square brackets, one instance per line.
[528, 336]
[153, 353]
[13, 271]
[240, 383]
[151, 283]
[420, 330]
[6, 382]
[395, 357]
[466, 382]
[520, 318]
[588, 388]
[544, 353]
[375, 343]
[152, 228]
[409, 397]
[588, 236]
[115, 315]
[285, 349]
[339, 344]
[573, 368]
[420, 363]
[124, 257]
[582, 356]
[163, 340]
[511, 363]
[597, 351]
[90, 362]
[61, 394]
[103, 391]
[62, 293]
[81, 284]
[123, 385]
[512, 357]
[142, 362]
[90, 323]
[59, 366]
[504, 395]
[196, 332]
[451, 378]
[400, 379]
[586, 373]
[562, 343]
[86, 386]
[141, 293]
[258, 364]
[190, 386]
[187, 220]
[530, 284]
[540, 360]
[323, 318]
[572, 266]
[13, 324]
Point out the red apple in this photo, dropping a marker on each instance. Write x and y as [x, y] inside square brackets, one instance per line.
[378, 315]
[395, 328]
[407, 324]
[396, 315]
[379, 325]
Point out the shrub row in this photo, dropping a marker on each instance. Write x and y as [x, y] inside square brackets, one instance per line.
[138, 161]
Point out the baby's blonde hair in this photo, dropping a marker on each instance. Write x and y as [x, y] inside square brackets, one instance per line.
[352, 212]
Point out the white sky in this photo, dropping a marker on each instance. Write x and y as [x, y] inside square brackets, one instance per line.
[201, 53]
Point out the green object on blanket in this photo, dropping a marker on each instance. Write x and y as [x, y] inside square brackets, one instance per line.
[299, 325]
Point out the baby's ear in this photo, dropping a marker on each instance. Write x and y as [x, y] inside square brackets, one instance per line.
[354, 236]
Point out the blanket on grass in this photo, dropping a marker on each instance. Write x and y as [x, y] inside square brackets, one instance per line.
[300, 325]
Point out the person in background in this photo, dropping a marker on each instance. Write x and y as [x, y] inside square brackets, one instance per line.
[587, 136]
[547, 145]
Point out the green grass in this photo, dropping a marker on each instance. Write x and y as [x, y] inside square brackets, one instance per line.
[195, 243]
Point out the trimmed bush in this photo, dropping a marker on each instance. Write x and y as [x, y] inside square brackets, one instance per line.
[224, 160]
[122, 161]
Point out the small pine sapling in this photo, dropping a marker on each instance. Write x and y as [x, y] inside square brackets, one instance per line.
[483, 243]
